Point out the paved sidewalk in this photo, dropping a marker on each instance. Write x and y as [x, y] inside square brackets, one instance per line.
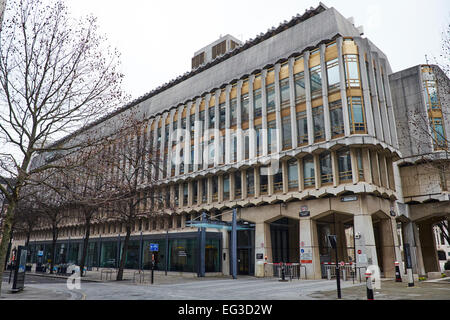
[32, 292]
[391, 290]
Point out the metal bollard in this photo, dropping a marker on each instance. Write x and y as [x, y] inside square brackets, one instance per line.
[344, 274]
[398, 276]
[328, 273]
[410, 277]
[369, 285]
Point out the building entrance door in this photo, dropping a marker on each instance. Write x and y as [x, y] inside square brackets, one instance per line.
[243, 261]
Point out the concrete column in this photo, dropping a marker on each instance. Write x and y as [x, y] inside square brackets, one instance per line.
[197, 134]
[263, 245]
[300, 174]
[206, 134]
[270, 186]
[180, 195]
[220, 188]
[177, 140]
[232, 187]
[218, 154]
[428, 244]
[187, 136]
[326, 110]
[308, 98]
[251, 119]
[365, 85]
[169, 144]
[264, 112]
[342, 85]
[163, 142]
[285, 174]
[310, 246]
[374, 99]
[257, 182]
[387, 247]
[292, 104]
[366, 243]
[279, 140]
[382, 102]
[354, 164]
[190, 194]
[228, 149]
[225, 252]
[335, 168]
[366, 164]
[244, 184]
[239, 136]
[317, 171]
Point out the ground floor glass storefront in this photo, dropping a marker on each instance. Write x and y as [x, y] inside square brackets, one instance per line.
[182, 250]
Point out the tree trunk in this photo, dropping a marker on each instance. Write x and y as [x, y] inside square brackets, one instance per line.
[124, 253]
[5, 237]
[85, 244]
[55, 237]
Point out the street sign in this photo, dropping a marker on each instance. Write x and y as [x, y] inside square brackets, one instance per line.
[304, 212]
[359, 251]
[40, 253]
[342, 263]
[154, 247]
[19, 272]
[302, 244]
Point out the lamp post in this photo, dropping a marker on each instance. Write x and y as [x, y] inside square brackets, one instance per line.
[333, 242]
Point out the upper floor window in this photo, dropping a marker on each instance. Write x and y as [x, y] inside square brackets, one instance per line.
[270, 94]
[257, 103]
[233, 112]
[351, 70]
[300, 93]
[244, 107]
[237, 185]
[302, 128]
[316, 82]
[212, 118]
[250, 181]
[344, 164]
[333, 75]
[336, 118]
[437, 128]
[292, 174]
[226, 187]
[326, 172]
[222, 115]
[308, 171]
[318, 123]
[285, 96]
[287, 135]
[356, 115]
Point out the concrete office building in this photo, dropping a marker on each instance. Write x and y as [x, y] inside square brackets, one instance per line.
[422, 103]
[301, 138]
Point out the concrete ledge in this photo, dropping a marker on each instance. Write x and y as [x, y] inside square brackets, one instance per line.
[434, 275]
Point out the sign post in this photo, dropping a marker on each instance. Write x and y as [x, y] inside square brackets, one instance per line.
[154, 247]
[19, 272]
[234, 245]
[333, 242]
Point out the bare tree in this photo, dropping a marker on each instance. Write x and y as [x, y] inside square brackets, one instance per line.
[56, 75]
[131, 165]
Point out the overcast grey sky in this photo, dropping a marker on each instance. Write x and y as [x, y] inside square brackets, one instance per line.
[157, 39]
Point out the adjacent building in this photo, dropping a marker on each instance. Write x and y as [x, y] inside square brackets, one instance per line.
[298, 129]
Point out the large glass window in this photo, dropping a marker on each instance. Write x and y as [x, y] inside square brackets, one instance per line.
[233, 112]
[250, 181]
[278, 181]
[302, 128]
[308, 171]
[195, 192]
[344, 165]
[333, 75]
[438, 133]
[356, 114]
[226, 187]
[237, 185]
[263, 179]
[132, 258]
[287, 134]
[215, 188]
[319, 124]
[108, 254]
[352, 70]
[292, 174]
[270, 94]
[244, 107]
[257, 103]
[185, 194]
[316, 82]
[272, 136]
[212, 118]
[284, 87]
[359, 160]
[258, 133]
[326, 172]
[300, 93]
[222, 114]
[204, 186]
[336, 118]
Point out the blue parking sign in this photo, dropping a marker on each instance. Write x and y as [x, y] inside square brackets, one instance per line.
[154, 247]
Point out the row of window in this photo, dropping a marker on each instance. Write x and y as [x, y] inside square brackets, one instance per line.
[298, 175]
